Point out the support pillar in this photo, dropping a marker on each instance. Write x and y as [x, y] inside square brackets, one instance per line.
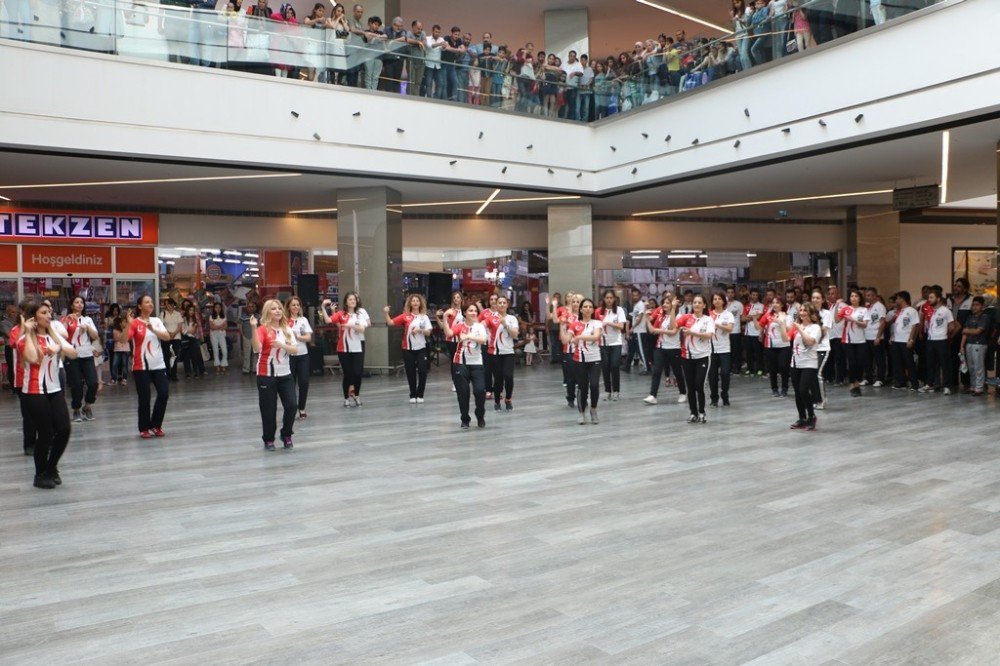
[370, 262]
[384, 9]
[877, 249]
[571, 249]
[567, 30]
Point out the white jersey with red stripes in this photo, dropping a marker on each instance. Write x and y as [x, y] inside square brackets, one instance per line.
[852, 318]
[720, 341]
[78, 336]
[452, 317]
[501, 340]
[300, 326]
[349, 341]
[694, 346]
[412, 323]
[469, 352]
[273, 360]
[587, 351]
[40, 378]
[803, 355]
[610, 336]
[147, 352]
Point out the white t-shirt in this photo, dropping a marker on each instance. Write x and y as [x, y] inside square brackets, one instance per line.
[638, 309]
[902, 326]
[826, 318]
[720, 343]
[751, 328]
[774, 338]
[853, 333]
[172, 320]
[61, 331]
[300, 326]
[735, 308]
[699, 347]
[804, 356]
[416, 340]
[273, 360]
[470, 352]
[876, 313]
[504, 343]
[78, 336]
[665, 340]
[433, 55]
[588, 352]
[937, 327]
[612, 337]
[569, 69]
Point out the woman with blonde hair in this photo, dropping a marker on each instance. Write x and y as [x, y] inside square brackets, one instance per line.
[273, 343]
[302, 332]
[416, 329]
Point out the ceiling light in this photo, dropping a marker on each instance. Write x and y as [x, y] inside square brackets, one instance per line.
[312, 210]
[169, 256]
[210, 251]
[488, 201]
[685, 251]
[4, 198]
[751, 255]
[186, 249]
[760, 203]
[233, 253]
[148, 181]
[671, 10]
[393, 210]
[231, 261]
[251, 254]
[683, 256]
[945, 156]
[250, 262]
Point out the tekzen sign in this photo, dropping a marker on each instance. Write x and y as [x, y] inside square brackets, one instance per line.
[47, 226]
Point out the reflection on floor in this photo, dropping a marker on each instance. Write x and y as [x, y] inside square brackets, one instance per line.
[389, 535]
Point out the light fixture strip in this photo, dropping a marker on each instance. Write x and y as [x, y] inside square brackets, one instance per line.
[488, 201]
[945, 159]
[761, 203]
[148, 181]
[671, 10]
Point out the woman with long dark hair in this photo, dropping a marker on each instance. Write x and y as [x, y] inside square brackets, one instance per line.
[585, 335]
[777, 350]
[805, 335]
[416, 329]
[612, 317]
[39, 348]
[698, 330]
[274, 343]
[191, 337]
[721, 366]
[299, 361]
[822, 347]
[218, 323]
[855, 317]
[149, 368]
[454, 315]
[503, 329]
[467, 361]
[80, 368]
[351, 321]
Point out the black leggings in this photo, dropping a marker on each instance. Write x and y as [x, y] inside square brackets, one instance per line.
[588, 376]
[143, 379]
[503, 376]
[753, 354]
[27, 425]
[352, 365]
[857, 359]
[48, 413]
[300, 371]
[720, 366]
[269, 390]
[667, 360]
[194, 364]
[611, 367]
[779, 360]
[78, 371]
[465, 377]
[487, 370]
[819, 385]
[804, 383]
[415, 362]
[903, 366]
[569, 377]
[695, 373]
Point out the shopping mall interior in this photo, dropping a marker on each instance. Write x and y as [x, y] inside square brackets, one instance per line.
[197, 152]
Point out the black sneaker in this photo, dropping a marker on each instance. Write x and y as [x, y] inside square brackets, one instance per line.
[44, 482]
[775, 394]
[784, 394]
[269, 446]
[725, 402]
[855, 392]
[465, 425]
[30, 451]
[811, 424]
[56, 479]
[508, 405]
[693, 419]
[714, 403]
[799, 425]
[496, 406]
[481, 423]
[287, 441]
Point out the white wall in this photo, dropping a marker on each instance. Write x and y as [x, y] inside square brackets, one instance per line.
[246, 232]
[925, 251]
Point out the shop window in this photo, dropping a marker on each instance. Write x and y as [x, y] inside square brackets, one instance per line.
[978, 266]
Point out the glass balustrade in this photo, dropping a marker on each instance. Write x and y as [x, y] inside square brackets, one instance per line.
[496, 76]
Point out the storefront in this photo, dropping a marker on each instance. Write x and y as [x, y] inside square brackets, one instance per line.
[56, 254]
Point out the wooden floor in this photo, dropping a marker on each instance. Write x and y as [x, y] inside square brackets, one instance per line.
[389, 536]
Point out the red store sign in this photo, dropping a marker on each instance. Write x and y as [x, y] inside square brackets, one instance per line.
[36, 259]
[22, 225]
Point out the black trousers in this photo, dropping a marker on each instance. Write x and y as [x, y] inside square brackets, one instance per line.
[721, 365]
[171, 354]
[875, 365]
[50, 417]
[300, 371]
[804, 383]
[159, 381]
[80, 371]
[588, 382]
[938, 363]
[569, 377]
[736, 353]
[837, 369]
[269, 391]
[488, 370]
[753, 353]
[452, 347]
[466, 377]
[904, 367]
[30, 433]
[415, 362]
[8, 357]
[647, 343]
[392, 72]
[194, 364]
[611, 368]
[503, 376]
[779, 360]
[695, 373]
[666, 360]
[555, 346]
[857, 358]
[819, 386]
[352, 365]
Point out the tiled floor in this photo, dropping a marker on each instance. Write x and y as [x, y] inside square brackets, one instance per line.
[389, 536]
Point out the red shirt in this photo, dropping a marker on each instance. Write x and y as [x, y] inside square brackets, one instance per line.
[147, 353]
[42, 377]
[273, 360]
[492, 321]
[680, 321]
[346, 336]
[15, 333]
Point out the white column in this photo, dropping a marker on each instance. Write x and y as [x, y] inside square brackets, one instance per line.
[571, 249]
[567, 30]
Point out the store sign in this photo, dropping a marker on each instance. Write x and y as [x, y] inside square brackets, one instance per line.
[914, 198]
[65, 260]
[39, 226]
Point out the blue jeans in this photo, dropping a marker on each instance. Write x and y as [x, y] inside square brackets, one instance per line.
[434, 83]
[451, 76]
[760, 50]
[583, 101]
[462, 74]
[778, 40]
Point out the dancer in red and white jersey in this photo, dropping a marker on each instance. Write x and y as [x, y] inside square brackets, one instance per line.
[274, 343]
[822, 347]
[753, 353]
[416, 329]
[467, 361]
[39, 347]
[855, 317]
[585, 336]
[488, 311]
[725, 324]
[503, 328]
[777, 350]
[29, 433]
[81, 333]
[804, 335]
[149, 368]
[612, 317]
[453, 315]
[302, 331]
[352, 321]
[568, 315]
[699, 330]
[662, 322]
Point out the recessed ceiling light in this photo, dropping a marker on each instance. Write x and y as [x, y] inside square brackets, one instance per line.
[148, 181]
[671, 10]
[760, 203]
[488, 201]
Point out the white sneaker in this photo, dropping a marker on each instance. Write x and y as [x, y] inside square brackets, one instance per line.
[864, 382]
[357, 401]
[609, 397]
[347, 402]
[453, 389]
[926, 388]
[413, 401]
[420, 401]
[650, 400]
[615, 397]
[946, 391]
[682, 399]
[583, 419]
[821, 405]
[877, 385]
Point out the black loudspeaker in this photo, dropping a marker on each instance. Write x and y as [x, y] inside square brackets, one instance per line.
[439, 289]
[309, 290]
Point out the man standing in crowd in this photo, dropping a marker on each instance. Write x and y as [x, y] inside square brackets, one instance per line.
[974, 341]
[246, 334]
[417, 40]
[484, 51]
[356, 53]
[375, 39]
[636, 342]
[960, 305]
[573, 71]
[434, 79]
[585, 91]
[392, 61]
[875, 373]
[172, 321]
[454, 48]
